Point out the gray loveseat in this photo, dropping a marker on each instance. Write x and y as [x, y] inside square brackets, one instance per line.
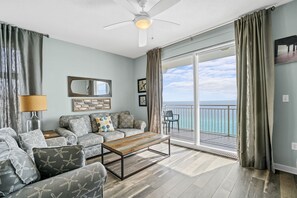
[92, 141]
[20, 177]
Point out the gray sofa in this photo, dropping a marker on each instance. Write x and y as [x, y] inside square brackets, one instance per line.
[22, 179]
[92, 141]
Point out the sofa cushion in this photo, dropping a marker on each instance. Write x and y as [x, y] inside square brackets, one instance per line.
[78, 126]
[32, 139]
[23, 165]
[104, 124]
[9, 141]
[10, 181]
[114, 118]
[64, 121]
[53, 161]
[9, 131]
[93, 117]
[126, 121]
[90, 139]
[58, 141]
[109, 136]
[129, 132]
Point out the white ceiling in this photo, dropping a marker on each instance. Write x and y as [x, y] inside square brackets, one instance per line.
[82, 21]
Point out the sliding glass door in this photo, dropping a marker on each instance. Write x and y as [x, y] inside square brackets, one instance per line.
[200, 89]
[178, 98]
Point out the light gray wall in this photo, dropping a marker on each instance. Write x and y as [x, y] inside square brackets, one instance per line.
[62, 59]
[139, 72]
[285, 123]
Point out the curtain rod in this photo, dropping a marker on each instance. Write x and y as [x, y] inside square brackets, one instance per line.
[46, 35]
[218, 26]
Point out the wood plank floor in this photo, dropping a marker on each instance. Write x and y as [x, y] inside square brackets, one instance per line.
[188, 173]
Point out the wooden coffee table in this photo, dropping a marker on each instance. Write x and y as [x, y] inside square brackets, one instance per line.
[127, 147]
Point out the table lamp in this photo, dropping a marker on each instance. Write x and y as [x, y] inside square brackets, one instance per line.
[33, 103]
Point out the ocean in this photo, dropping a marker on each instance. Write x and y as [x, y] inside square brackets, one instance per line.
[218, 117]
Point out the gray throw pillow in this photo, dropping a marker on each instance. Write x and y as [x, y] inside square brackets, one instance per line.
[126, 121]
[115, 119]
[78, 126]
[20, 160]
[32, 139]
[10, 181]
[56, 160]
[9, 131]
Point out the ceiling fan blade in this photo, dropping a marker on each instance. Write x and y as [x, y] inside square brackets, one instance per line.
[118, 25]
[127, 5]
[161, 6]
[164, 21]
[142, 38]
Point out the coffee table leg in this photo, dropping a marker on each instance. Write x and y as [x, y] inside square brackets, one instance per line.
[102, 155]
[122, 167]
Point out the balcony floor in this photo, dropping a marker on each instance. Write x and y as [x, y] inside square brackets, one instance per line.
[206, 139]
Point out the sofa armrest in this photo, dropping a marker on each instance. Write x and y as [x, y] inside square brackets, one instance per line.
[70, 136]
[87, 181]
[139, 124]
[58, 141]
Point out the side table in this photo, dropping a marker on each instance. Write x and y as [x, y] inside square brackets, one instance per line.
[50, 134]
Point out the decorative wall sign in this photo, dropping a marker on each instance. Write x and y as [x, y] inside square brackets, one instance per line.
[141, 85]
[285, 50]
[91, 104]
[142, 100]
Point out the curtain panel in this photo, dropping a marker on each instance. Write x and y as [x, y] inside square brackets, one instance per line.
[154, 90]
[20, 72]
[255, 86]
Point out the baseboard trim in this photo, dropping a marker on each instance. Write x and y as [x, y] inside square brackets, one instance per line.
[285, 168]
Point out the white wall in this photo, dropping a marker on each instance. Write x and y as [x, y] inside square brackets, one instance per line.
[62, 59]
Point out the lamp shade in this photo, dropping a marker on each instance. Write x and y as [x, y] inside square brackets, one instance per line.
[31, 103]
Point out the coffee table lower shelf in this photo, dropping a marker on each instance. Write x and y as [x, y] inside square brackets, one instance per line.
[122, 176]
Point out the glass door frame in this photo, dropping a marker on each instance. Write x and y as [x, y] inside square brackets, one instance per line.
[197, 144]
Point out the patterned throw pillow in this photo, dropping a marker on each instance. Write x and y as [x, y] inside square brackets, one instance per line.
[78, 126]
[104, 124]
[32, 139]
[53, 161]
[23, 165]
[10, 180]
[126, 121]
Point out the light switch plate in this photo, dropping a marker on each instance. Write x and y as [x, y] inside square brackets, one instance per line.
[286, 98]
[294, 146]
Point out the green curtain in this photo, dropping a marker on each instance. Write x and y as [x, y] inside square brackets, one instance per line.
[20, 72]
[255, 86]
[154, 90]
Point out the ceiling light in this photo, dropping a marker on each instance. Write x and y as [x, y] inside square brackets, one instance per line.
[143, 22]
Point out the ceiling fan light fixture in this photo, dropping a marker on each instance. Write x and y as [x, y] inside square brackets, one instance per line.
[143, 22]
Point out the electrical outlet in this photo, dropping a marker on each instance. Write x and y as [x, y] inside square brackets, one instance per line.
[294, 146]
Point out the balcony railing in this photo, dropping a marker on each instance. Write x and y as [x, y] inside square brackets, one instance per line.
[214, 119]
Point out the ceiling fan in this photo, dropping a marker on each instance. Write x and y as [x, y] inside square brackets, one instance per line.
[143, 19]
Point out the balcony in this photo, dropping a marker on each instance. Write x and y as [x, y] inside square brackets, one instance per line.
[217, 125]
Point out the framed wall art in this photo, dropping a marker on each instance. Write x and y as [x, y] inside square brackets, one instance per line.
[142, 100]
[141, 85]
[285, 50]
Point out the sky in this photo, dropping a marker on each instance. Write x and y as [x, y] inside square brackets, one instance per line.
[217, 81]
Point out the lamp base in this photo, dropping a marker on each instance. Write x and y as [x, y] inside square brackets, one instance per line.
[33, 123]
